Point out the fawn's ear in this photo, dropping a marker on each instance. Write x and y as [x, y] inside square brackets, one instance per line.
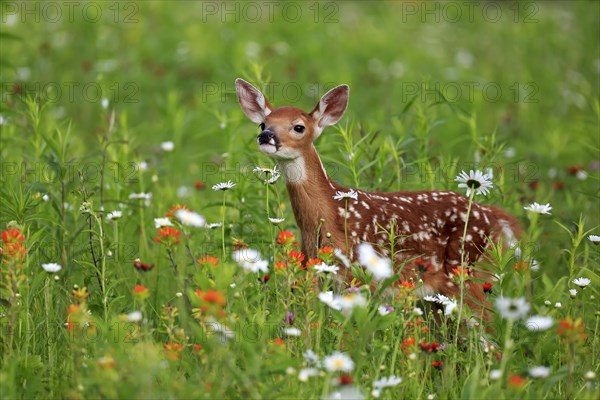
[254, 104]
[331, 107]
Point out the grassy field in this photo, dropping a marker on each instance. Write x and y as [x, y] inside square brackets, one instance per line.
[114, 114]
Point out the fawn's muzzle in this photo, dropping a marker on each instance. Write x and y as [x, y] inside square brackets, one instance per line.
[267, 137]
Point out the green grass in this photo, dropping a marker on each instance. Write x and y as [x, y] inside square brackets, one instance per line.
[428, 98]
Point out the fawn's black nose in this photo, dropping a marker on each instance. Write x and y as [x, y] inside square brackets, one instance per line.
[266, 137]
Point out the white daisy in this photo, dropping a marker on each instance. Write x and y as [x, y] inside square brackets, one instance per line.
[292, 331]
[330, 300]
[190, 218]
[250, 260]
[306, 373]
[338, 362]
[214, 225]
[475, 181]
[346, 195]
[167, 146]
[539, 372]
[311, 358]
[438, 298]
[539, 208]
[276, 221]
[342, 257]
[512, 309]
[160, 222]
[113, 216]
[385, 309]
[594, 239]
[581, 282]
[417, 311]
[327, 268]
[51, 267]
[450, 307]
[495, 374]
[539, 323]
[349, 301]
[390, 381]
[557, 305]
[573, 293]
[135, 316]
[224, 186]
[140, 196]
[379, 267]
[271, 174]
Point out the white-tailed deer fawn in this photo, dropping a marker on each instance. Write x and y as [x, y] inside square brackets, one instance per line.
[429, 225]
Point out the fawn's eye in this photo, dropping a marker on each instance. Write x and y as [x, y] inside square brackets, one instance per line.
[262, 126]
[299, 128]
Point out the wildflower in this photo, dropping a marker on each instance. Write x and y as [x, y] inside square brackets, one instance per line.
[461, 273]
[168, 236]
[289, 318]
[295, 257]
[276, 221]
[272, 174]
[594, 239]
[141, 292]
[390, 381]
[422, 266]
[475, 181]
[346, 195]
[211, 297]
[512, 309]
[342, 257]
[167, 146]
[516, 381]
[198, 185]
[311, 358]
[286, 238]
[113, 216]
[326, 254]
[214, 225]
[223, 186]
[589, 376]
[351, 300]
[104, 103]
[487, 288]
[292, 331]
[539, 372]
[573, 293]
[51, 267]
[140, 196]
[495, 374]
[135, 316]
[450, 307]
[173, 351]
[338, 362]
[572, 331]
[437, 364]
[306, 373]
[432, 347]
[250, 260]
[557, 304]
[380, 267]
[327, 268]
[330, 300]
[539, 208]
[106, 362]
[190, 218]
[173, 209]
[417, 311]
[581, 282]
[385, 309]
[208, 260]
[539, 323]
[162, 222]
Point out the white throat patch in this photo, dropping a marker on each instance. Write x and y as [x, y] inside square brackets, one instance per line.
[294, 170]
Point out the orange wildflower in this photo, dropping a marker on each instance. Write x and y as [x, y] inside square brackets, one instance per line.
[168, 236]
[174, 208]
[208, 260]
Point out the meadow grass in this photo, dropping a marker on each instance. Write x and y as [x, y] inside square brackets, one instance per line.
[132, 109]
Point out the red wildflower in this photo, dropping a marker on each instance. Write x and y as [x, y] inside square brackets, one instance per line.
[264, 279]
[432, 347]
[174, 208]
[173, 350]
[198, 185]
[12, 236]
[279, 342]
[437, 364]
[279, 266]
[312, 262]
[326, 254]
[212, 297]
[407, 285]
[296, 257]
[408, 342]
[422, 266]
[345, 380]
[168, 236]
[141, 292]
[208, 260]
[239, 244]
[516, 381]
[461, 273]
[286, 238]
[139, 265]
[520, 266]
[487, 287]
[572, 331]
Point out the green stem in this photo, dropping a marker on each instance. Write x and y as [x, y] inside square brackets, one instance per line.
[223, 226]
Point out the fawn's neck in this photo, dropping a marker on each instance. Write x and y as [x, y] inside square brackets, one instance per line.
[311, 194]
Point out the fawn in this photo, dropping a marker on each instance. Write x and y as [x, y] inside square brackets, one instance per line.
[429, 224]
